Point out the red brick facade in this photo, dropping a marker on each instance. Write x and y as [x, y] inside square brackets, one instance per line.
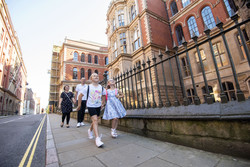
[75, 56]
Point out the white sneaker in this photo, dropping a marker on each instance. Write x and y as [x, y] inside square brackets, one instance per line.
[98, 142]
[90, 134]
[82, 124]
[113, 133]
[78, 125]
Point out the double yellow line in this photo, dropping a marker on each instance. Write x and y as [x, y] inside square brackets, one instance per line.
[36, 136]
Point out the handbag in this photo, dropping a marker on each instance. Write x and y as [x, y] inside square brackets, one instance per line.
[69, 99]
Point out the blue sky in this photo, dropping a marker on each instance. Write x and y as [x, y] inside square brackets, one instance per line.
[42, 23]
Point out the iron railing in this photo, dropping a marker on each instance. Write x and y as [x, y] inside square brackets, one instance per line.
[160, 82]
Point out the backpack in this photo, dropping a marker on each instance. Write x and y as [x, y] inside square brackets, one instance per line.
[107, 94]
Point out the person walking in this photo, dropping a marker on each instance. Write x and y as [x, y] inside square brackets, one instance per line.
[95, 100]
[65, 104]
[114, 108]
[81, 112]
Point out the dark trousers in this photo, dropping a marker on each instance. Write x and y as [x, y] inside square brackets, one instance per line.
[81, 112]
[66, 115]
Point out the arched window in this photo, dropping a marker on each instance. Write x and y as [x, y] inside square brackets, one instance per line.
[179, 34]
[228, 88]
[190, 96]
[89, 73]
[82, 73]
[75, 58]
[89, 59]
[74, 73]
[83, 57]
[185, 3]
[230, 5]
[173, 8]
[106, 60]
[208, 17]
[204, 92]
[96, 59]
[96, 71]
[192, 26]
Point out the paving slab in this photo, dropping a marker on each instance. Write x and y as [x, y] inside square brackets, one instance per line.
[73, 149]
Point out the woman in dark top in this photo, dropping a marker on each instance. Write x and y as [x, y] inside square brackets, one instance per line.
[65, 103]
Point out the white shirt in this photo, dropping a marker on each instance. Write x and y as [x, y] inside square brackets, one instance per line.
[80, 87]
[95, 95]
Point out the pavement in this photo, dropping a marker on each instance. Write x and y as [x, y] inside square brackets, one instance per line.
[70, 147]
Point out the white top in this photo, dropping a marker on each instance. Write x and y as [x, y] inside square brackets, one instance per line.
[95, 95]
[80, 87]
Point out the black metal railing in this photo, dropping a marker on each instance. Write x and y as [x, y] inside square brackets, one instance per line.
[161, 82]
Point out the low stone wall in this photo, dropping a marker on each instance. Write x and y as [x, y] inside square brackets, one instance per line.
[220, 128]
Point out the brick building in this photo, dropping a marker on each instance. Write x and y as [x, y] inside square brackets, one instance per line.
[74, 60]
[13, 74]
[138, 29]
[187, 19]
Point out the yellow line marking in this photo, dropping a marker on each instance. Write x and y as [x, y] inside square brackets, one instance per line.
[30, 145]
[34, 147]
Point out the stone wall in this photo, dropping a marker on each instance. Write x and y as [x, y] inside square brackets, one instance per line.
[220, 128]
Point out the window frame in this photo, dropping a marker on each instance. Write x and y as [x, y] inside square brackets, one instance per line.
[136, 40]
[123, 42]
[89, 58]
[89, 73]
[204, 61]
[173, 8]
[121, 19]
[179, 34]
[106, 60]
[133, 12]
[219, 54]
[186, 3]
[96, 60]
[75, 56]
[82, 57]
[75, 73]
[192, 26]
[230, 93]
[82, 73]
[207, 16]
[185, 66]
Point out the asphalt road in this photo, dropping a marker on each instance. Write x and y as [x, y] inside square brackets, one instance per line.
[16, 134]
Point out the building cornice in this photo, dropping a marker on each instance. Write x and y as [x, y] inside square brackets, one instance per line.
[119, 57]
[67, 45]
[84, 64]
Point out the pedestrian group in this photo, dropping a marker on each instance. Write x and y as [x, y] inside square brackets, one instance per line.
[92, 95]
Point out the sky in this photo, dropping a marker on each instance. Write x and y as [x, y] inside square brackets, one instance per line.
[40, 24]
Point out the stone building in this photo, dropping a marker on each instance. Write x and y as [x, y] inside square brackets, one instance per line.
[74, 60]
[13, 73]
[139, 31]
